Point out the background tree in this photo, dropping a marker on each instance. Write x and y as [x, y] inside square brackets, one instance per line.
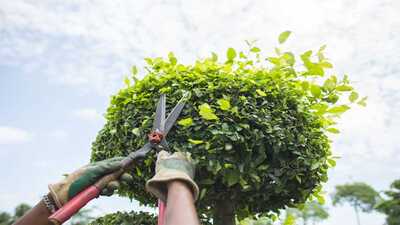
[256, 125]
[359, 195]
[81, 218]
[5, 218]
[19, 211]
[391, 205]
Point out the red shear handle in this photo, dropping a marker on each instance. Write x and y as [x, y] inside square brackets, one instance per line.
[161, 212]
[74, 205]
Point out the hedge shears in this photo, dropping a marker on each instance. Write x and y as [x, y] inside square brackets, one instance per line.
[156, 141]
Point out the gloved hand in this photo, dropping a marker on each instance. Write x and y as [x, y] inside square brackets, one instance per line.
[82, 178]
[176, 166]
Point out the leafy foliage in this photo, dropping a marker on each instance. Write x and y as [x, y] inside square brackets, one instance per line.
[391, 205]
[125, 218]
[257, 125]
[290, 218]
[258, 221]
[131, 218]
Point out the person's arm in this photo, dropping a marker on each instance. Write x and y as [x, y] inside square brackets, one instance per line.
[73, 184]
[180, 205]
[38, 215]
[173, 183]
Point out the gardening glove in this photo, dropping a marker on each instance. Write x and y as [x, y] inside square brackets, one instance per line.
[82, 178]
[169, 167]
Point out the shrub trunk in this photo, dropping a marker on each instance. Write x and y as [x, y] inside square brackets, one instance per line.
[224, 213]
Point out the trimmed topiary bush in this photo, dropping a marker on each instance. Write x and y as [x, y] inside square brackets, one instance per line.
[256, 125]
[125, 218]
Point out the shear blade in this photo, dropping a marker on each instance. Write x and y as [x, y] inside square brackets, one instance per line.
[173, 116]
[158, 124]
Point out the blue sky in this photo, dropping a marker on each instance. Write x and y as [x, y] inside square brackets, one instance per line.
[60, 61]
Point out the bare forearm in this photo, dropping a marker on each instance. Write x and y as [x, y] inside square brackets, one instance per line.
[180, 205]
[38, 215]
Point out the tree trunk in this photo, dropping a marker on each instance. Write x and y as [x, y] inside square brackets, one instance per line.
[357, 214]
[224, 213]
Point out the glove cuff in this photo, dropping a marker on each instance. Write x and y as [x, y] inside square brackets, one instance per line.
[158, 184]
[54, 189]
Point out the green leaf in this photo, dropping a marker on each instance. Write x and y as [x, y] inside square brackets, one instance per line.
[274, 60]
[127, 81]
[315, 90]
[331, 162]
[134, 70]
[232, 177]
[206, 112]
[298, 178]
[231, 54]
[172, 58]
[255, 177]
[214, 57]
[329, 84]
[326, 64]
[339, 109]
[202, 193]
[322, 48]
[136, 131]
[261, 93]
[196, 142]
[306, 56]
[289, 58]
[278, 51]
[333, 130]
[255, 49]
[284, 36]
[363, 102]
[224, 104]
[305, 85]
[185, 122]
[344, 88]
[315, 166]
[353, 96]
[320, 198]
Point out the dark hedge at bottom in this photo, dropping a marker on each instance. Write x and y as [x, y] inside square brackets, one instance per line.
[126, 218]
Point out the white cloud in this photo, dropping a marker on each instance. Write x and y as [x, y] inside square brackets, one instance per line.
[12, 135]
[92, 45]
[88, 114]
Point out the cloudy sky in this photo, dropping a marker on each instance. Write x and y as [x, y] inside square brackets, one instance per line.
[61, 60]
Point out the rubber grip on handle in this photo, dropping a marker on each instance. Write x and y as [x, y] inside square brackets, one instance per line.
[74, 205]
[161, 212]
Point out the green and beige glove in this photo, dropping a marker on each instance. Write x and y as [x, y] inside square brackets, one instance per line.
[169, 167]
[82, 178]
